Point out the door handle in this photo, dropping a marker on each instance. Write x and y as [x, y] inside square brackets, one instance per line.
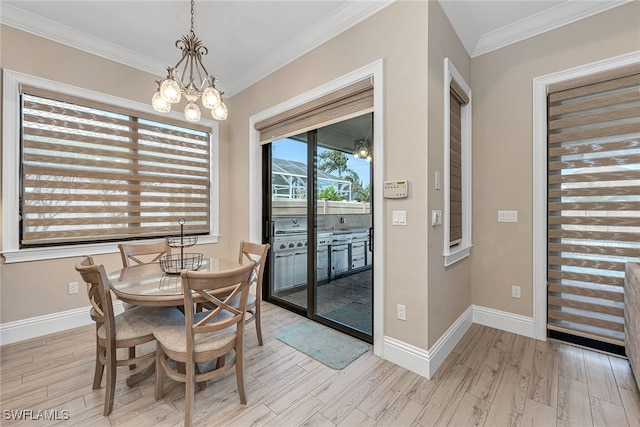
[371, 239]
[268, 229]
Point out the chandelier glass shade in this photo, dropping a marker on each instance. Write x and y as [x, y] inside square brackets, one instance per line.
[190, 78]
[362, 150]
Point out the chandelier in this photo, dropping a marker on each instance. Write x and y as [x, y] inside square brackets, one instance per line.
[363, 149]
[192, 80]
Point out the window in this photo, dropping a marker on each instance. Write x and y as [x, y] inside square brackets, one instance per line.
[88, 171]
[457, 166]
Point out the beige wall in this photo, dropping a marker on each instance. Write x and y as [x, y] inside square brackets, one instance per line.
[40, 287]
[502, 144]
[398, 35]
[449, 288]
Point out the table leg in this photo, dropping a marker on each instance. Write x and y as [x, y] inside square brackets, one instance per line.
[142, 375]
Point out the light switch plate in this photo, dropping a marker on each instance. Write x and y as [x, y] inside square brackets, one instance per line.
[399, 217]
[507, 216]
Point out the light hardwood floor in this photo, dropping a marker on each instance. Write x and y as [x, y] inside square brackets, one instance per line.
[492, 378]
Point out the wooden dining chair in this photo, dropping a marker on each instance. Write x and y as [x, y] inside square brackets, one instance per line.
[205, 336]
[253, 252]
[126, 330]
[142, 253]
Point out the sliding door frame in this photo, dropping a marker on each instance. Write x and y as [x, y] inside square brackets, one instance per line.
[374, 70]
[540, 213]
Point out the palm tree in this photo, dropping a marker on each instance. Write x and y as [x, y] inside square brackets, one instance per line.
[358, 191]
[332, 160]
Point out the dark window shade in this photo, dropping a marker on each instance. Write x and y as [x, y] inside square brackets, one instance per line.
[357, 98]
[455, 165]
[458, 92]
[92, 172]
[593, 201]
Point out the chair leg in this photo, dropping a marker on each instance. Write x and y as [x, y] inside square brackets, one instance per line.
[99, 371]
[111, 380]
[240, 376]
[220, 362]
[159, 373]
[189, 393]
[257, 322]
[132, 355]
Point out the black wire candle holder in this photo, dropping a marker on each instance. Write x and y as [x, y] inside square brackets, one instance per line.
[174, 264]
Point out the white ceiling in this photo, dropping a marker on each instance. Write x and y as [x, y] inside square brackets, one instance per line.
[248, 40]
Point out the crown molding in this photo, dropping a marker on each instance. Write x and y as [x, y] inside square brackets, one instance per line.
[345, 17]
[34, 24]
[547, 20]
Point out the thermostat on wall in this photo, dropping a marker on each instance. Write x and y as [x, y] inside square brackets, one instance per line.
[395, 189]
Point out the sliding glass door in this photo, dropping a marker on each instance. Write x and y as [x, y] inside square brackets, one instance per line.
[319, 222]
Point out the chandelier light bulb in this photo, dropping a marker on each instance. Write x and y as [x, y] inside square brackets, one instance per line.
[210, 98]
[192, 112]
[159, 103]
[170, 90]
[369, 158]
[220, 112]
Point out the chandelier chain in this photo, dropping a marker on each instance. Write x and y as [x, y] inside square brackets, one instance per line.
[192, 15]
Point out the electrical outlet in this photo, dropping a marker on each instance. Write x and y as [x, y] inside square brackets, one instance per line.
[436, 217]
[402, 312]
[73, 288]
[515, 291]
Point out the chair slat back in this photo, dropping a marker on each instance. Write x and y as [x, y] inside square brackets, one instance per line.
[250, 251]
[99, 293]
[132, 253]
[217, 288]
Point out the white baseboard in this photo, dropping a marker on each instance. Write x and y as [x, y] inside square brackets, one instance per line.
[34, 327]
[503, 320]
[426, 362]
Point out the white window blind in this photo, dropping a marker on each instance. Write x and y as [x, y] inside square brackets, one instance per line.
[593, 201]
[94, 172]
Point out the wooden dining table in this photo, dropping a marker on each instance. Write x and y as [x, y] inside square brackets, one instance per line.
[147, 284]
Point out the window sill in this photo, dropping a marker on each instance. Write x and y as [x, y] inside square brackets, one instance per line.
[57, 252]
[453, 257]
